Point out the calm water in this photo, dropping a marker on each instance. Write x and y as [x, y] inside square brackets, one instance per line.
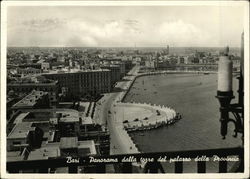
[194, 97]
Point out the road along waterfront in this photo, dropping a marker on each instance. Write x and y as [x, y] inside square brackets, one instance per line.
[120, 141]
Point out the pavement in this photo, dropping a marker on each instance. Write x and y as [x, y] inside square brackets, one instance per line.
[120, 141]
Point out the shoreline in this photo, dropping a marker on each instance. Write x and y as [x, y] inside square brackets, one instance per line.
[121, 140]
[117, 125]
[163, 72]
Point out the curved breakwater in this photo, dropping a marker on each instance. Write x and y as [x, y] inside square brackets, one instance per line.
[147, 116]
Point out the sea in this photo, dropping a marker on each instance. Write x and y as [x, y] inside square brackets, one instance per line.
[193, 96]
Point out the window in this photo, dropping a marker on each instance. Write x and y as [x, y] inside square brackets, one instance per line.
[16, 142]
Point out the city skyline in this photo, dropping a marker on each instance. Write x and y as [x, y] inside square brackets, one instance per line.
[124, 26]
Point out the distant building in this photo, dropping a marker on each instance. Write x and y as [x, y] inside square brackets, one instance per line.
[199, 54]
[164, 64]
[150, 63]
[167, 50]
[180, 60]
[49, 86]
[30, 65]
[196, 60]
[128, 65]
[189, 60]
[114, 71]
[82, 82]
[28, 71]
[122, 68]
[236, 62]
[202, 60]
[36, 99]
[45, 66]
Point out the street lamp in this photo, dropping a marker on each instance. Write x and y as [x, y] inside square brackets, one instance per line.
[225, 95]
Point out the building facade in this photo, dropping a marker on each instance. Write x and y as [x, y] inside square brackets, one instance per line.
[115, 73]
[81, 83]
[49, 86]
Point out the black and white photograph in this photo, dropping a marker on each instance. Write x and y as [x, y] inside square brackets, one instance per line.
[125, 87]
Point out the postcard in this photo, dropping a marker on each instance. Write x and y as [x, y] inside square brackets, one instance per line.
[125, 89]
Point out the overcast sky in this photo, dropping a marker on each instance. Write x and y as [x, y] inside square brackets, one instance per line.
[154, 26]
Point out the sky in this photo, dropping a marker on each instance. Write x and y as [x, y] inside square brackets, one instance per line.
[124, 26]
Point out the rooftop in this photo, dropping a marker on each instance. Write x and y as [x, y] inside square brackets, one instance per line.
[40, 61]
[18, 83]
[30, 100]
[87, 120]
[110, 66]
[44, 153]
[64, 71]
[29, 68]
[68, 115]
[20, 117]
[37, 80]
[86, 147]
[21, 130]
[68, 142]
[14, 156]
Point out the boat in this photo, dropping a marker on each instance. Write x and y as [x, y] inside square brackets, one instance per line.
[206, 73]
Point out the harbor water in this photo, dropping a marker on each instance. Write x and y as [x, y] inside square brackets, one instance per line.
[193, 96]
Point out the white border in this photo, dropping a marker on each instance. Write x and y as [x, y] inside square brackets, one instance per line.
[4, 6]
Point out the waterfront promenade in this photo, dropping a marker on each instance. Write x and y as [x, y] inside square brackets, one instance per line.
[120, 141]
[111, 112]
